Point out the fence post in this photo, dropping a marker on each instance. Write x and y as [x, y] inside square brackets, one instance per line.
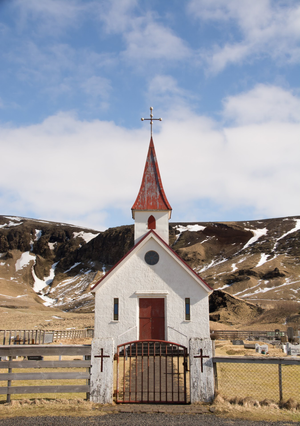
[280, 381]
[8, 382]
[88, 382]
[215, 376]
[215, 365]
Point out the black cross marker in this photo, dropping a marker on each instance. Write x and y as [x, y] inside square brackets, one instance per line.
[201, 356]
[102, 356]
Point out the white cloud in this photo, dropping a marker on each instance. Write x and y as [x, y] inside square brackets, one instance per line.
[266, 28]
[81, 172]
[68, 168]
[150, 40]
[262, 104]
[144, 37]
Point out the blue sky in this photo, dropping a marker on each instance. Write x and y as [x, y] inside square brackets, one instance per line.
[76, 76]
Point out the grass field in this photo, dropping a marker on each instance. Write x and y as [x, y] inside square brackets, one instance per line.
[259, 381]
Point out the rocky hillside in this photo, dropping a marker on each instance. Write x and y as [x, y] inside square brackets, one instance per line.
[55, 264]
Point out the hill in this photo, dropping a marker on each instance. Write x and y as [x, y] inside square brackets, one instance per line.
[53, 264]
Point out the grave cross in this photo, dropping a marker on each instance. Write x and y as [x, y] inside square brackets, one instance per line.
[201, 356]
[151, 119]
[102, 356]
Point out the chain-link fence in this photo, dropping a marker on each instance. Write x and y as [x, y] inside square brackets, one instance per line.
[268, 378]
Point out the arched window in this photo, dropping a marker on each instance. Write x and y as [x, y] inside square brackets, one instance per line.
[151, 222]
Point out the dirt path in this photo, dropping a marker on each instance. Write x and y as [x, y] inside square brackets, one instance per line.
[132, 419]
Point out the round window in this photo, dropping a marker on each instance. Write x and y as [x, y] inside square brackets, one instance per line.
[151, 257]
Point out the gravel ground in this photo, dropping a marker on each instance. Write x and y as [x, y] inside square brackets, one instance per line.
[134, 419]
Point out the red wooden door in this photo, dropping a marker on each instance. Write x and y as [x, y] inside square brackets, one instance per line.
[152, 319]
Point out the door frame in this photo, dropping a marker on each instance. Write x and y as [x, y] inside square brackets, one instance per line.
[154, 336]
[151, 294]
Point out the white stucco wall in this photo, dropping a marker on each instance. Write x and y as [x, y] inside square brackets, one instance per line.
[141, 224]
[134, 279]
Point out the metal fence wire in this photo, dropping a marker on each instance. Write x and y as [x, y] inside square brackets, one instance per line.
[258, 380]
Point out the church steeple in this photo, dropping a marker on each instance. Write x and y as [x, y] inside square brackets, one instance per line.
[151, 209]
[151, 195]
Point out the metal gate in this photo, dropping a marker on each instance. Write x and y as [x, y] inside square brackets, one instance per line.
[151, 371]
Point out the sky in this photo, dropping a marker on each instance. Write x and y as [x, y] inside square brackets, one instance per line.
[76, 76]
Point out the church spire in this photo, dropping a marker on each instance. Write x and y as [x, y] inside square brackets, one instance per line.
[151, 209]
[151, 196]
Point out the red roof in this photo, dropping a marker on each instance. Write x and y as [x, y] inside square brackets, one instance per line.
[151, 195]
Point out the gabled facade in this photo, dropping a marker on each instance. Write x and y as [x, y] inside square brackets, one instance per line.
[182, 293]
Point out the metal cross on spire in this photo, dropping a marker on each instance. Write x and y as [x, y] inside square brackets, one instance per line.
[151, 119]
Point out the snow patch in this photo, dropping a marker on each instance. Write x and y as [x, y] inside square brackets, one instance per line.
[7, 225]
[212, 263]
[72, 267]
[24, 260]
[296, 228]
[39, 284]
[263, 259]
[15, 218]
[257, 234]
[234, 267]
[38, 234]
[52, 245]
[191, 228]
[86, 236]
[265, 290]
[224, 286]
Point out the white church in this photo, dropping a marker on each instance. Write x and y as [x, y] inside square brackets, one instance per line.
[151, 295]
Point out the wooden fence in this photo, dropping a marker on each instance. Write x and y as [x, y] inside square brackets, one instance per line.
[247, 334]
[257, 377]
[33, 359]
[40, 337]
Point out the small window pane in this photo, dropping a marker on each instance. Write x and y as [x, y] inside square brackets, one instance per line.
[187, 309]
[116, 309]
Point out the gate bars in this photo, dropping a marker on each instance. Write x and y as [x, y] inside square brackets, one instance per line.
[151, 371]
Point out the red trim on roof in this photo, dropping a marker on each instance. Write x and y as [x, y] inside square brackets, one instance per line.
[167, 246]
[151, 195]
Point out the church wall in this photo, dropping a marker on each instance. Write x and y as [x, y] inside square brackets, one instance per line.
[141, 224]
[166, 279]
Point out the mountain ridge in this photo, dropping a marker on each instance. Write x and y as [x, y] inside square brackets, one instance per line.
[55, 264]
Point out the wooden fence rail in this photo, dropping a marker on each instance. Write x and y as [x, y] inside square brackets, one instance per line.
[40, 337]
[28, 351]
[245, 334]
